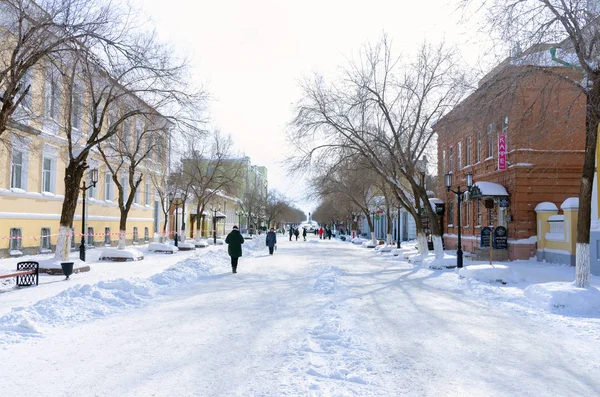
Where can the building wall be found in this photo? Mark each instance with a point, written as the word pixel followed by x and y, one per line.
pixel 545 135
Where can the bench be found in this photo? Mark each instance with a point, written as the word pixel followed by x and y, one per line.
pixel 27 274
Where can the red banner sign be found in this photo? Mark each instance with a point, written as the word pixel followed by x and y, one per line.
pixel 502 152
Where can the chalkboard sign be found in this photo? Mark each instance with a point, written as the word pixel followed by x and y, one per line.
pixel 486 236
pixel 500 238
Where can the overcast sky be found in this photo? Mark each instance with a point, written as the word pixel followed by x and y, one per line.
pixel 251 54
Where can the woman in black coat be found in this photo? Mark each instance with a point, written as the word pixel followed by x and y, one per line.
pixel 234 240
pixel 271 240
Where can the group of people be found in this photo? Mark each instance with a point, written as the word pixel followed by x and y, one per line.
pixel 234 241
pixel 296 232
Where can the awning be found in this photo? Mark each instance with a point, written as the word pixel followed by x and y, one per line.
pixel 488 189
pixel 219 215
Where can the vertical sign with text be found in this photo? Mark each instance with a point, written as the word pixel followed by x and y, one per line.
pixel 502 151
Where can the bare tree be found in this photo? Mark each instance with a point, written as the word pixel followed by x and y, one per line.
pixel 32 32
pixel 383 110
pixel 575 26
pixel 211 169
pixel 253 203
pixel 275 207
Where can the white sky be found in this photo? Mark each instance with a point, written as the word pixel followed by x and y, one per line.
pixel 251 55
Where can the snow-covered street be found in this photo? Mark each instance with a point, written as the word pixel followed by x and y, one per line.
pixel 319 318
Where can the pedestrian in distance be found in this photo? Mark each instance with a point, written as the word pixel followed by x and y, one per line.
pixel 271 240
pixel 291 232
pixel 234 240
pixel 320 233
pixel 304 233
pixel 296 233
pixel 329 232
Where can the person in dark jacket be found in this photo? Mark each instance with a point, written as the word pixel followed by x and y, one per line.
pixel 271 240
pixel 304 233
pixel 291 232
pixel 234 241
pixel 296 233
pixel 329 232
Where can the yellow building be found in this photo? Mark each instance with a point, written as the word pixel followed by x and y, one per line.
pixel 32 173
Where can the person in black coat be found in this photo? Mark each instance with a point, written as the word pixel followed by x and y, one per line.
pixel 271 240
pixel 291 232
pixel 234 241
pixel 296 233
pixel 304 233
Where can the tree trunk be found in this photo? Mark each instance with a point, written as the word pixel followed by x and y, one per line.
pixel 122 239
pixel 73 175
pixel 582 259
pixel 389 230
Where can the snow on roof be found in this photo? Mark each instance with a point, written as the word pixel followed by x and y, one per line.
pixel 572 203
pixel 545 206
pixel 491 189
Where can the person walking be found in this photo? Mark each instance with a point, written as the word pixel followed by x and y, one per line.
pixel 329 232
pixel 234 240
pixel 291 232
pixel 271 240
pixel 304 233
pixel 320 233
pixel 296 233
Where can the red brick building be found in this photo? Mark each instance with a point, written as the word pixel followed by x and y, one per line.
pixel 541 117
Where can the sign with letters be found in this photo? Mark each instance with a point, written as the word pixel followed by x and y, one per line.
pixel 500 238
pixel 486 236
pixel 502 151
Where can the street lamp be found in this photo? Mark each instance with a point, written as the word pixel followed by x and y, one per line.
pixel 239 214
pixel 84 189
pixel 176 201
pixel 214 211
pixel 459 196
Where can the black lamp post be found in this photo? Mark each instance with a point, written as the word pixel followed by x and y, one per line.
pixel 214 211
pixel 459 196
pixel 398 229
pixel 84 189
pixel 176 201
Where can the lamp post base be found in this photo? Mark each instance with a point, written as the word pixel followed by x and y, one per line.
pixel 459 258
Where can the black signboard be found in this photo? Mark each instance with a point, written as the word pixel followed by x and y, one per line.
pixel 486 234
pixel 500 238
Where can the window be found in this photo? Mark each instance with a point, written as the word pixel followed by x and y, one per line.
pixel 15 239
pixel 444 162
pixel 135 234
pixel 108 189
pixel 147 194
pixel 136 196
pixel 45 238
pixel 76 105
pixel 91 193
pixel 26 84
pixel 468 152
pixel 459 155
pixel 107 236
pixel 52 99
pixel 126 134
pixel 490 139
pixel 450 168
pixel 90 236
pixel 48 176
pixel 479 215
pixel 451 213
pixel 146 234
pixel 124 187
pixel 478 146
pixel 16 171
pixel 158 150
pixel 149 144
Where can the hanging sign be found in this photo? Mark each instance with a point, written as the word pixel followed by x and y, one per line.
pixel 502 151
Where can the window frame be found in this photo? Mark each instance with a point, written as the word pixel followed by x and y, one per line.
pixel 45 240
pixel 16 239
pixel 468 151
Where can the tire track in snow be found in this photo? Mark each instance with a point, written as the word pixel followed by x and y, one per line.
pixel 331 359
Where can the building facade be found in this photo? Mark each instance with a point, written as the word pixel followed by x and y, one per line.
pixel 521 136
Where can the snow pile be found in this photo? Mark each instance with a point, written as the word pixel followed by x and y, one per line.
pixel 160 247
pixel 328 280
pixel 83 303
pixel 560 295
pixel 128 254
pixel 358 240
pixel 489 274
pixel 431 262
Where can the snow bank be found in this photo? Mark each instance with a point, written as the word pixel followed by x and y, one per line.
pixel 128 254
pixel 561 295
pixel 489 274
pixel 83 303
